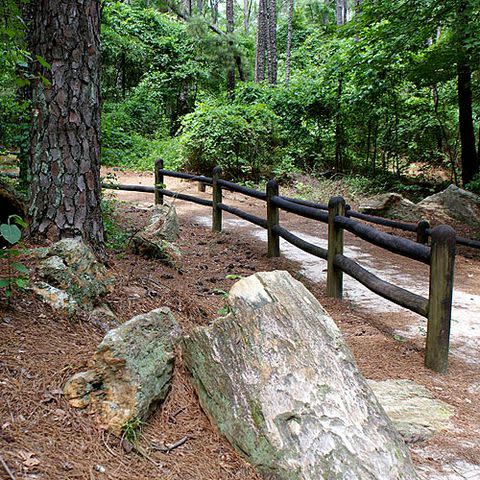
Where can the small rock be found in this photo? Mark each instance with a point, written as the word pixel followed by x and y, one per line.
pixel 131 370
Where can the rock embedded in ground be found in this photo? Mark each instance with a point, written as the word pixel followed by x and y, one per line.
pixel 131 370
pixel 391 205
pixel 279 381
pixel 414 411
pixel 455 203
pixel 70 269
pixel 156 240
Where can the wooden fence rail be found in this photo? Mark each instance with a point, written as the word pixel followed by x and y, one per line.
pixel 440 256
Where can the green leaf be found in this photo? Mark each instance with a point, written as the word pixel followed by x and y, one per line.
pixel 17 220
pixel 11 233
pixel 21 282
pixel 4 283
pixel 233 277
pixel 43 62
pixel 20 267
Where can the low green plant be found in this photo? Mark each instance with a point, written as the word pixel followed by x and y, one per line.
pixel 116 237
pixel 18 274
pixel 474 185
pixel 131 430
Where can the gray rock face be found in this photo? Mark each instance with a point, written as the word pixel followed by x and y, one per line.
pixel 131 370
pixel 71 277
pixel 455 203
pixel 278 380
pixel 414 411
pixel 156 240
pixel 391 205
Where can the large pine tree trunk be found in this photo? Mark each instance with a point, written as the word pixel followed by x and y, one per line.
pixel 261 45
pixel 65 138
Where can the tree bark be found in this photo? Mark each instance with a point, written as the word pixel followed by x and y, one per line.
pixel 272 40
pixel 288 56
pixel 261 46
pixel 65 136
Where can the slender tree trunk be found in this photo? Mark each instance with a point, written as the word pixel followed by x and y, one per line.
pixel 326 16
pixel 339 128
pixel 272 40
pixel 246 15
pixel 339 12
pixel 470 166
pixel 65 148
pixel 261 46
pixel 230 29
pixel 291 6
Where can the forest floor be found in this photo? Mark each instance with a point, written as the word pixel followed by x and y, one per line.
pixel 41 437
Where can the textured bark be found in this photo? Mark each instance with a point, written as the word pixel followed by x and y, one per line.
pixel 261 46
pixel 341 12
pixel 65 138
pixel 272 40
pixel 289 40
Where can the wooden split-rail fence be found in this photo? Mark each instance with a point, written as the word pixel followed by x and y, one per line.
pixel 439 255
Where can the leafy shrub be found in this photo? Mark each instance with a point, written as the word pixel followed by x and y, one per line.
pixel 245 140
pixel 474 185
pixel 17 276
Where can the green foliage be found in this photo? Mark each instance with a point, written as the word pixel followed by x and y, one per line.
pixel 244 140
pixel 131 430
pixel 18 274
pixel 116 237
pixel 474 185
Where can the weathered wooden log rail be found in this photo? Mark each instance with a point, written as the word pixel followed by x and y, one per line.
pixel 339 217
pixel 440 255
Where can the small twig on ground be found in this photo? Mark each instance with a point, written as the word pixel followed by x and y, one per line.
pixel 168 448
pixel 7 469
pixel 172 418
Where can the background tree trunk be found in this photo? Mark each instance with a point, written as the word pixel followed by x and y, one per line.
pixel 261 46
pixel 470 166
pixel 272 40
pixel 289 41
pixel 65 149
pixel 230 29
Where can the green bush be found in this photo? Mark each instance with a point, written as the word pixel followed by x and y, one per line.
pixel 245 140
pixel 474 185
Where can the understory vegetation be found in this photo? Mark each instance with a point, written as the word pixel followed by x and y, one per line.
pixel 371 98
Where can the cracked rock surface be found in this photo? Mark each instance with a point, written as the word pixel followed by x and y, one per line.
pixel 279 381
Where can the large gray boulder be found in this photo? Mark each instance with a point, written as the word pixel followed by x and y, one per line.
pixel 131 370
pixel 453 202
pixel 278 380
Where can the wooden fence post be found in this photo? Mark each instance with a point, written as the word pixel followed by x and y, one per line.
pixel 158 182
pixel 422 235
pixel 442 265
pixel 336 206
pixel 272 220
pixel 217 198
